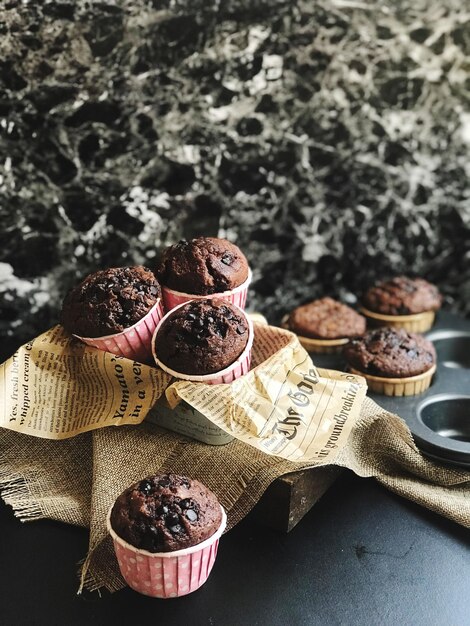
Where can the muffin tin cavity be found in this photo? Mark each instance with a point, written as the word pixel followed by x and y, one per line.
pixel 439 418
pixel 452 347
pixel 447 416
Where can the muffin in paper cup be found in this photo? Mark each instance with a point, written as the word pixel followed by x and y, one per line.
pixel 227 375
pixel 398 362
pixel 414 322
pixel 134 342
pixel 166 574
pixel 402 302
pixel 319 346
pixel 237 296
pixel 407 386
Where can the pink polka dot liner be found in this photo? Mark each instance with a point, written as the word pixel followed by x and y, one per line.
pixel 166 574
pixel 172 298
pixel 134 342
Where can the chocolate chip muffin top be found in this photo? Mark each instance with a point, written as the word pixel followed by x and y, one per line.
pixel 165 513
pixel 109 301
pixel 203 266
pixel 202 337
pixel 402 296
pixel 390 352
pixel 326 319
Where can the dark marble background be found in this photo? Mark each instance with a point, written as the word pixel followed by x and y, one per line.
pixel 328 139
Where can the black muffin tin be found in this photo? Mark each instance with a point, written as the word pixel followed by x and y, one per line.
pixel 439 418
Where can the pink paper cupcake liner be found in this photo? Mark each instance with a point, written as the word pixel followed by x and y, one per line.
pixel 134 342
pixel 166 574
pixel 237 296
pixel 238 368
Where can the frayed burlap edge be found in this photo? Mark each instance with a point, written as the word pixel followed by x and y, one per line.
pixel 15 492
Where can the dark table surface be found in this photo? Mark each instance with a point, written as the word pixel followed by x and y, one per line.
pixel 361 556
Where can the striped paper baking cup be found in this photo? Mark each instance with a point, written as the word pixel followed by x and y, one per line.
pixel 134 342
pixel 413 323
pixel 237 296
pixel 166 574
pixel 319 346
pixel 399 387
pixel 238 368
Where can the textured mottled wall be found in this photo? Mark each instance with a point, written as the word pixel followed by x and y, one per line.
pixel 328 139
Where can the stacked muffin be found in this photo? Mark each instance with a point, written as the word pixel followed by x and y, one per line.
pixel 206 340
pixel 116 310
pixel 200 284
pixel 203 267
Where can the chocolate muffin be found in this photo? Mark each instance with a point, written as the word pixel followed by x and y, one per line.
pixel 326 319
pixel 109 301
pixel 202 337
pixel 203 266
pixel 402 296
pixel 165 513
pixel 391 353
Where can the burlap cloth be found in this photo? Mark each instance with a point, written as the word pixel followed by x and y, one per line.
pixel 76 480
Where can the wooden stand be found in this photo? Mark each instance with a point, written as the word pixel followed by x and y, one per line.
pixel 290 497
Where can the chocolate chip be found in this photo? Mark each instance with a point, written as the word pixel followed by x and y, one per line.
pixel 227 259
pixel 127 305
pixel 221 329
pixel 172 519
pixel 176 529
pixel 152 539
pixel 145 487
pixel 164 482
pixel 186 503
pixel 241 330
pixel 191 515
